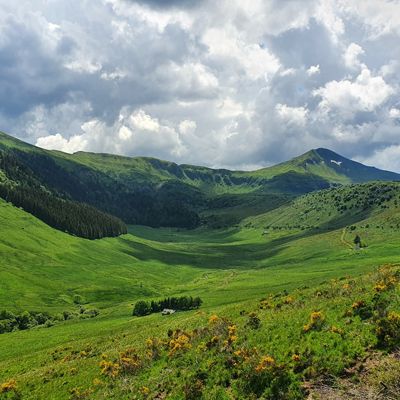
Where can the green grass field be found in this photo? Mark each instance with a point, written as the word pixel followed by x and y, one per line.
pixel 230 269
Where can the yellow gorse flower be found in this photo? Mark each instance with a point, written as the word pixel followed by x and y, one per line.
pixel 213 319
pixel 265 362
pixel 110 368
pixel 358 304
pixel 144 390
pixel 380 287
pixel 296 357
pixel 337 330
pixel 182 342
pixel 316 316
pixel 8 386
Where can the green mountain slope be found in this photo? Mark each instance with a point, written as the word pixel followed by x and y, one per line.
pixel 148 191
pixel 237 272
pixel 330 166
pixel 370 204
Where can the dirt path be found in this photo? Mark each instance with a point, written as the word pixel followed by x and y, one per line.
pixel 343 239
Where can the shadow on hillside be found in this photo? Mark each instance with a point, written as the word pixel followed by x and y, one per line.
pixel 204 253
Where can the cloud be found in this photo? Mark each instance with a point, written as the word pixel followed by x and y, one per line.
pixel 380 17
pixel 387 158
pixel 169 3
pixel 394 113
pixel 292 115
pixel 314 69
pixel 351 56
pixel 365 93
pixel 57 142
pixel 253 60
pixel 187 127
pixel 142 121
pixel 227 83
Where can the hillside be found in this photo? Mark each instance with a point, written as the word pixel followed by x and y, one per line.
pixel 280 309
pixel 331 167
pixel 374 203
pixel 153 192
pixel 265 287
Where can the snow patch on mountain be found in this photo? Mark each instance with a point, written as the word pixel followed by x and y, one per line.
pixel 337 162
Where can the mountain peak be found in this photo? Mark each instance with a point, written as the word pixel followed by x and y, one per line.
pixel 337 168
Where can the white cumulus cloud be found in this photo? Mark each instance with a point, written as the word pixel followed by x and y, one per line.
pixel 365 93
pixel 352 54
pixel 314 69
pixel 292 115
pixel 58 142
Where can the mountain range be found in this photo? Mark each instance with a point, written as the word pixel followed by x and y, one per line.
pixel 116 190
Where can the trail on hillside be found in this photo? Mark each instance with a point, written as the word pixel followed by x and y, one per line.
pixel 343 240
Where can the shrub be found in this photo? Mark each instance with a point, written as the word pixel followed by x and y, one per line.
pixel 363 310
pixel 183 303
pixel 141 308
pixel 9 386
pixel 78 299
pixel 253 322
pixel 317 321
pixel 388 331
pixel 267 379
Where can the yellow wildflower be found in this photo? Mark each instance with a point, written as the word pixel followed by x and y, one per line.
pixel 380 287
pixel 144 390
pixel 316 316
pixel 358 304
pixel 265 362
pixel 337 330
pixel 8 386
pixel 288 300
pixel 213 319
pixel 296 357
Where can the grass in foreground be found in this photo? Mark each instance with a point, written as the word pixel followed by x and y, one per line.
pixel 272 348
pixel 231 270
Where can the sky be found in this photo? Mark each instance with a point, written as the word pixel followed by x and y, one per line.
pixel 229 83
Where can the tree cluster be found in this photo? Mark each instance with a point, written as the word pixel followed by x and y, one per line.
pixel 131 199
pixel 10 321
pixel 72 217
pixel 184 303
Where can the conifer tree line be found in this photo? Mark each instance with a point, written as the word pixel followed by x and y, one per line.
pixel 19 187
pixel 135 202
pixel 183 303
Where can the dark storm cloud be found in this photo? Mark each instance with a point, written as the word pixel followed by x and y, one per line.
pixel 308 46
pixel 28 74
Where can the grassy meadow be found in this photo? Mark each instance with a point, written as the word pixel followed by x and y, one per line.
pixel 231 269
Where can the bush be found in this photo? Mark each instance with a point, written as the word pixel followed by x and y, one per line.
pixel 268 380
pixel 253 322
pixel 141 308
pixel 183 303
pixel 29 319
pixel 388 331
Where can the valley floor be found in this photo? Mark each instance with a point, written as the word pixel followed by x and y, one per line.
pixel 231 270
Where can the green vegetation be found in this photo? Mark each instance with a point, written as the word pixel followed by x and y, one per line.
pixel 323 333
pixel 288 297
pixel 10 322
pixel 19 186
pixel 158 193
pixel 337 208
pixel 266 285
pixel 183 303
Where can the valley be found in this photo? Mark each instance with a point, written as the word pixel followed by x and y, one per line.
pixel 273 261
